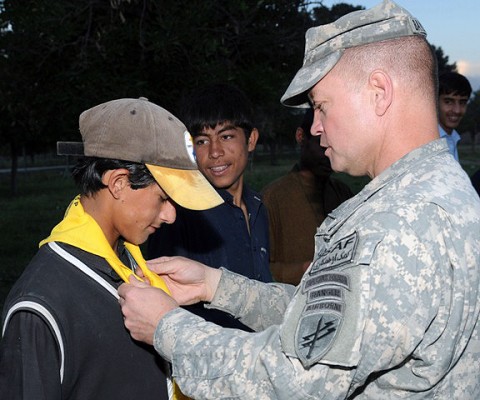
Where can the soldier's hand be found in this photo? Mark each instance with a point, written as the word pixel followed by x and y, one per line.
pixel 143 306
pixel 189 281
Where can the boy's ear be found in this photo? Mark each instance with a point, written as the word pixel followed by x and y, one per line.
pixel 252 140
pixel 116 180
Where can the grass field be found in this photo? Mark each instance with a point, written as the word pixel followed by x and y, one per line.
pixel 43 196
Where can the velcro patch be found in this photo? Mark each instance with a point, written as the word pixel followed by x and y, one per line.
pixel 339 253
pixel 324 293
pixel 332 278
pixel 316 333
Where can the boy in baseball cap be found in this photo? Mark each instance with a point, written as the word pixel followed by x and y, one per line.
pixel 63 334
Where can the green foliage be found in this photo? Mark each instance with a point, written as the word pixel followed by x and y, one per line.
pixel 61 57
pixel 28 218
pixel 471 121
pixel 324 15
pixel 443 61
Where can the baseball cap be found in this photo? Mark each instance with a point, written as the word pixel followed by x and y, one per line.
pixel 137 130
pixel 325 44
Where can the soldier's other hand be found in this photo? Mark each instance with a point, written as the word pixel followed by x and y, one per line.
pixel 143 306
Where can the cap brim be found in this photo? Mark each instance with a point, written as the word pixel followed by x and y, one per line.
pixel 188 188
pixel 306 78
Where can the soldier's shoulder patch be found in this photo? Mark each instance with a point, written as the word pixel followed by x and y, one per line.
pixel 317 330
pixel 322 315
pixel 335 255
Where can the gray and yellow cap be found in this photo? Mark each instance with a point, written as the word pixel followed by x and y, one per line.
pixel 325 44
pixel 139 131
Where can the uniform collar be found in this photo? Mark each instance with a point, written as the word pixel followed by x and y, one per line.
pixel 410 161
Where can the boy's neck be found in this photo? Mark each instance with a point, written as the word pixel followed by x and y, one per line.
pixel 95 206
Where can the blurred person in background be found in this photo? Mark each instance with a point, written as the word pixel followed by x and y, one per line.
pixel 297 204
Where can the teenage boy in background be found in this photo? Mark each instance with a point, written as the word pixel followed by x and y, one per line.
pixel 454 92
pixel 233 235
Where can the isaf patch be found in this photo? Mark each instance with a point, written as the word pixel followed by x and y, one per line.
pixel 336 255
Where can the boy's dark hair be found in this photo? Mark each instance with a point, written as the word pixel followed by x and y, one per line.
pixel 88 172
pixel 217 103
pixel 454 83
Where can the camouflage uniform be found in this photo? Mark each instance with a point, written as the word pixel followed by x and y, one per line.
pixel 388 308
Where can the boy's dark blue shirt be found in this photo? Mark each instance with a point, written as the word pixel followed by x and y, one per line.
pixel 219 237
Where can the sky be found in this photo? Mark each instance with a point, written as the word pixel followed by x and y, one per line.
pixel 453 25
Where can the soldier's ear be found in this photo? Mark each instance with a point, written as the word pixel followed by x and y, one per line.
pixel 382 91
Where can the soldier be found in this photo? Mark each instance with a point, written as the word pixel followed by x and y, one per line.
pixel 389 307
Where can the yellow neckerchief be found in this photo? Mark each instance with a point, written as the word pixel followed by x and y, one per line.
pixel 79 229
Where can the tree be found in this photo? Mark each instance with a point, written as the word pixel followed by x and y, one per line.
pixel 60 57
pixel 53 67
pixel 443 61
pixel 471 121
pixel 65 56
pixel 324 15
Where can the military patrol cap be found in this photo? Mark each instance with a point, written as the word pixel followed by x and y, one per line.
pixel 325 44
